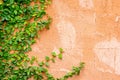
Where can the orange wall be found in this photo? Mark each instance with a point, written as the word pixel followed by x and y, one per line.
pixel 89 31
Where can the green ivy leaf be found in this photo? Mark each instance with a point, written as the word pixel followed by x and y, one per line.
pixel 41 63
pixel 32 60
pixel 46 64
pixel 60 56
pixel 53 60
pixel 54 54
pixel 61 50
pixel 47 58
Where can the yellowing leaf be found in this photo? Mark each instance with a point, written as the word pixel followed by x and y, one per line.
pixel 1 1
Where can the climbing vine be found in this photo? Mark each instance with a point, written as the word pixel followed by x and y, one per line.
pixel 20 22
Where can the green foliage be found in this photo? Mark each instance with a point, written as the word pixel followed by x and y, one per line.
pixel 54 54
pixel 32 60
pixel 60 56
pixel 53 60
pixel 17 34
pixel 47 64
pixel 41 63
pixel 47 58
pixel 61 50
pixel 74 71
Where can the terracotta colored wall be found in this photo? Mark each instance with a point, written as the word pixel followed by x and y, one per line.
pixel 89 31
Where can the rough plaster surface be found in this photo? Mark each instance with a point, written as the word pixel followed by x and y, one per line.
pixel 89 31
pixel 109 53
pixel 86 4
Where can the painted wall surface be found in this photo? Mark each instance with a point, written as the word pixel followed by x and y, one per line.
pixel 89 31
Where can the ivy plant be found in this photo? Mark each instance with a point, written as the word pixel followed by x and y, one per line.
pixel 20 23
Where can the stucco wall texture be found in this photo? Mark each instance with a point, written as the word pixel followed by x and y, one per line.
pixel 88 31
